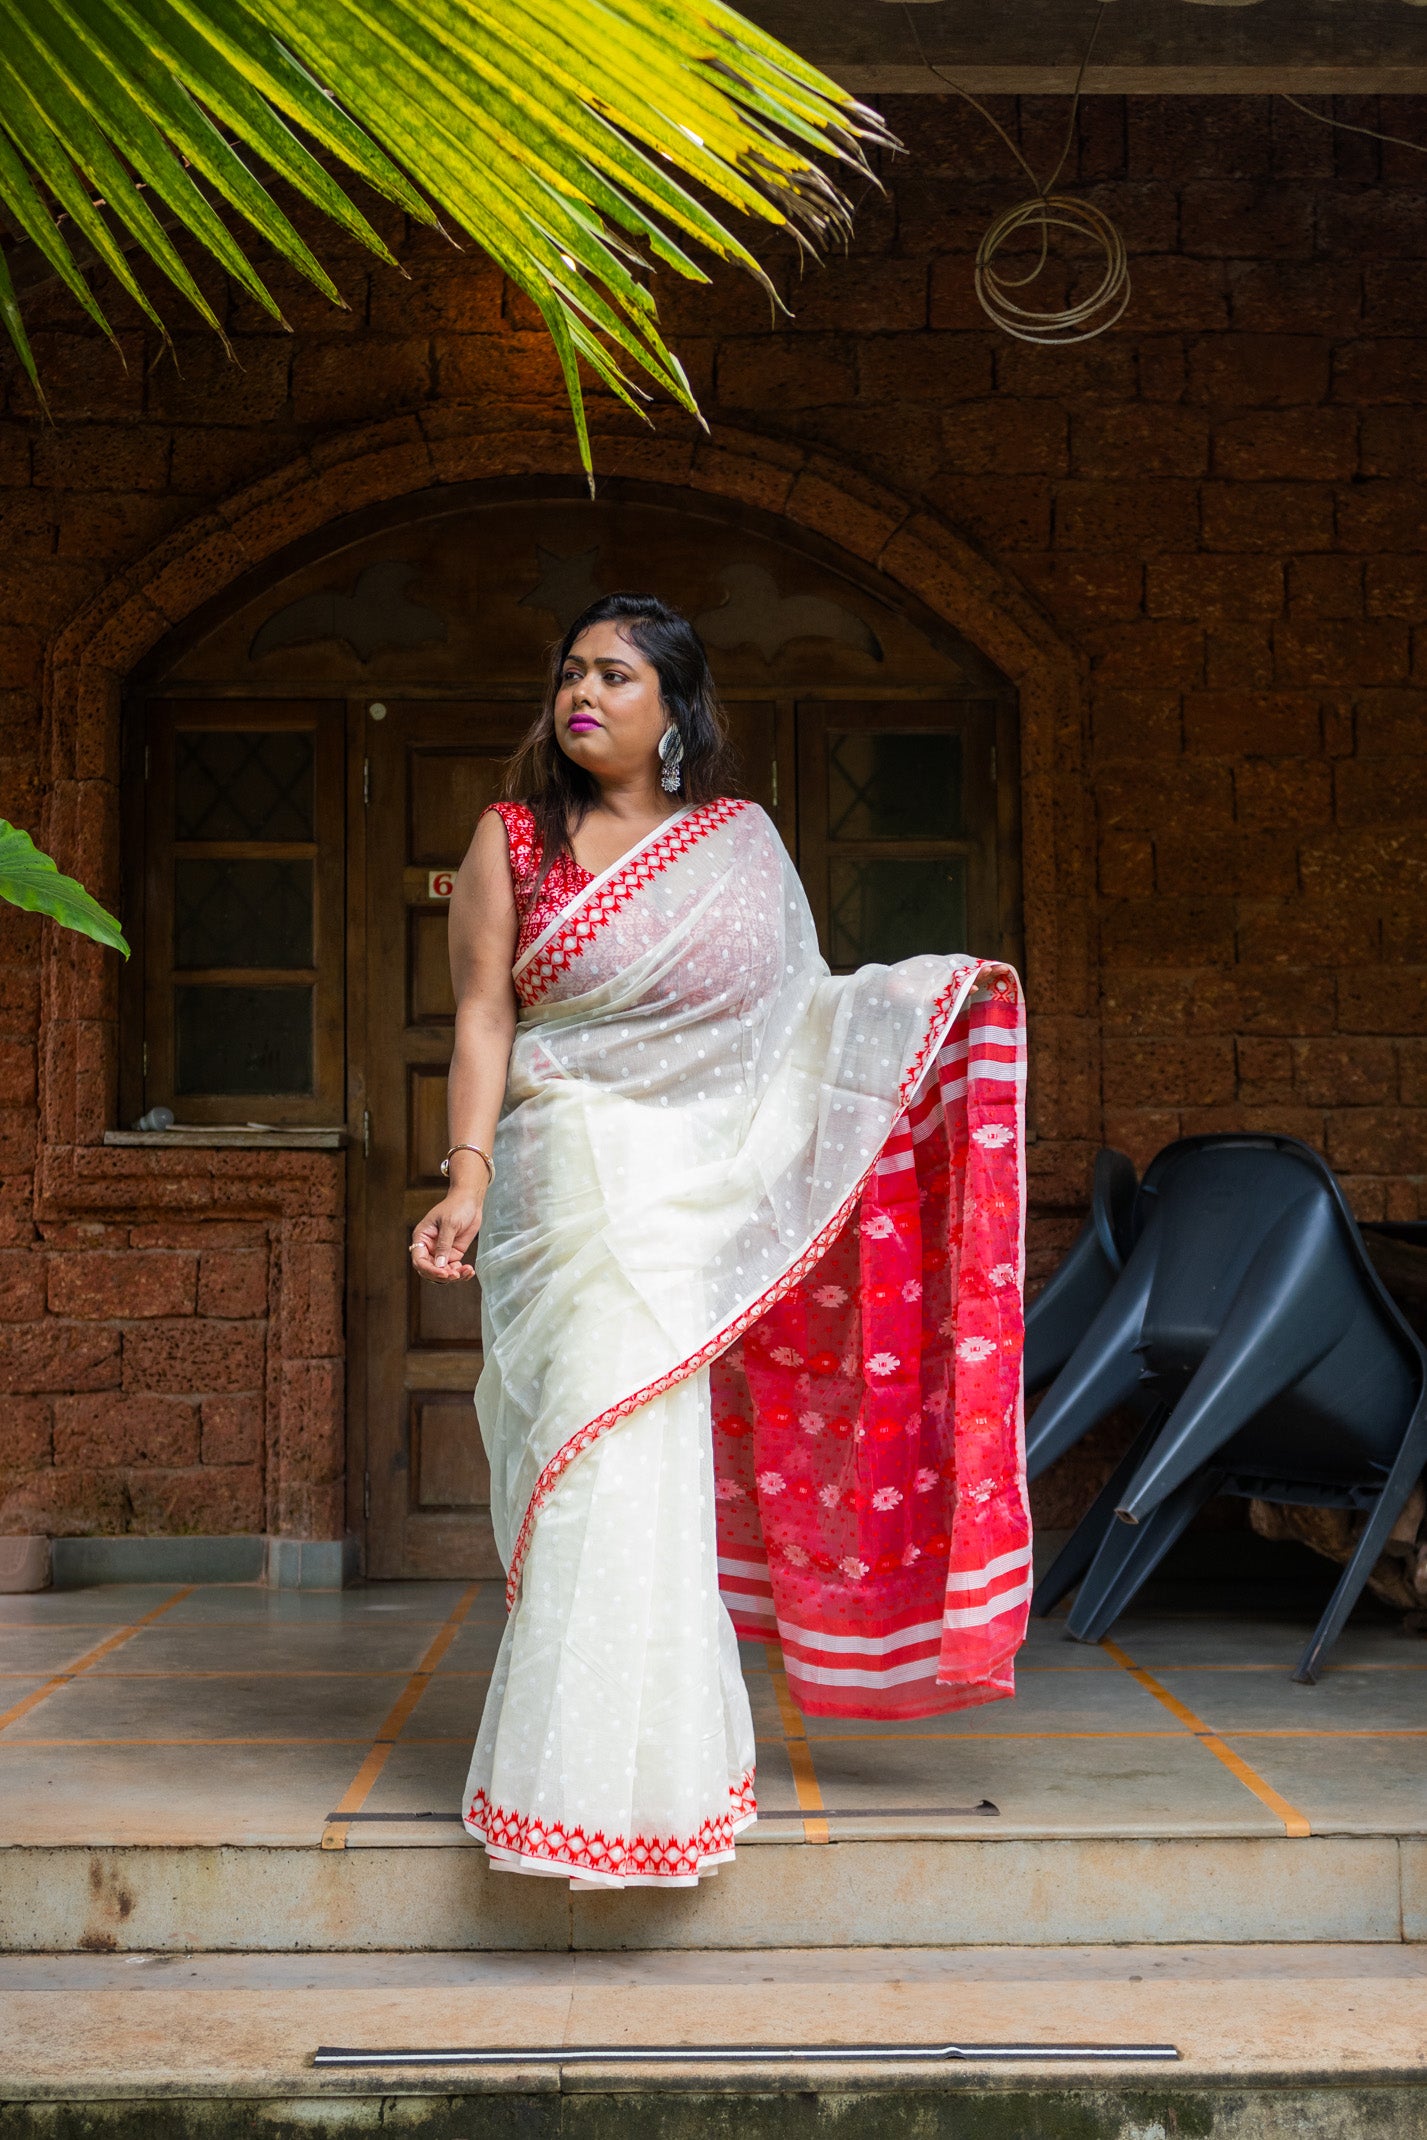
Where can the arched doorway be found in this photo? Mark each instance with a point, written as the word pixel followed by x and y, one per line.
pixel 309 755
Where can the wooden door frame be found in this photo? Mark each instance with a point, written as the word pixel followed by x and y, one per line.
pixel 368 1492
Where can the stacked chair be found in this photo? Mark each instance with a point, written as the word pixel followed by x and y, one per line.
pixel 1229 1299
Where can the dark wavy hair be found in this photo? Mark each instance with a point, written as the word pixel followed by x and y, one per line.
pixel 558 792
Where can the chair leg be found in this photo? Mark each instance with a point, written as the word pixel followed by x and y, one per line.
pixel 1408 1468
pixel 1080 1548
pixel 1105 1369
pixel 1129 1555
pixel 1067 1304
pixel 1291 1307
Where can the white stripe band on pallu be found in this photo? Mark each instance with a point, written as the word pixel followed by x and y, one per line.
pixel 896 1659
pixel 902 1638
pixel 899 1675
pixel 979 1615
pixel 746 1590
pixel 1016 1564
pixel 828 1660
pixel 981 1578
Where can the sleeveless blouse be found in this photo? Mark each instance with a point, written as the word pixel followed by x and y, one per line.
pixel 563 880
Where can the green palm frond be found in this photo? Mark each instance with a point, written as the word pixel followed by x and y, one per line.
pixel 565 137
pixel 31 880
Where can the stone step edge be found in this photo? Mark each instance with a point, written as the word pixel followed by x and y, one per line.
pixel 1169 1891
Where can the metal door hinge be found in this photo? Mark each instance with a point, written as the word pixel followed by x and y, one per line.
pixel 146 1058
pixel 366 780
pixel 993 765
pixel 775 782
pixel 366 1497
pixel 366 1133
pixel 146 761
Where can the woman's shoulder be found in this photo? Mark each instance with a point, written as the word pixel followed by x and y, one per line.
pixel 515 816
pixel 522 835
pixel 750 815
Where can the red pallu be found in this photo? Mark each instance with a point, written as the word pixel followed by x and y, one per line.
pixel 868 1429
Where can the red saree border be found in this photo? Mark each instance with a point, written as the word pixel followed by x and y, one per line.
pixel 647 1859
pixel 943 1015
pixel 596 905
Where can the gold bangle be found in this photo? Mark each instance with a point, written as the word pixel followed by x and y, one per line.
pixel 446 1162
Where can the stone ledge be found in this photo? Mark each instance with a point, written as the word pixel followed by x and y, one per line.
pixel 1111 1890
pixel 247 1557
pixel 242 1140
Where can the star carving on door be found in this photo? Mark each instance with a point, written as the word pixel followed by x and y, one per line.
pixel 374 614
pixel 754 612
pixel 566 586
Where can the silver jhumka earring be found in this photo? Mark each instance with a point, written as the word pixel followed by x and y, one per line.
pixel 671 760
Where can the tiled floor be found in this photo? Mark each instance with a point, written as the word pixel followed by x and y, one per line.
pixel 244 1715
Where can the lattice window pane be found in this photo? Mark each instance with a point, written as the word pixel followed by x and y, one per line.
pixel 242 913
pixel 242 784
pixel 236 1040
pixel 885 784
pixel 888 910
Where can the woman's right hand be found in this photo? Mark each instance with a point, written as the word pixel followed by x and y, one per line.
pixel 440 1242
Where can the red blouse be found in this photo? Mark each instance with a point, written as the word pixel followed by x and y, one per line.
pixel 564 879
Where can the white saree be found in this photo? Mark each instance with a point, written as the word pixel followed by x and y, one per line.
pixel 694 1108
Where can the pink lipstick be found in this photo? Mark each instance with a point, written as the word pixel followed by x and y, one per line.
pixel 581 725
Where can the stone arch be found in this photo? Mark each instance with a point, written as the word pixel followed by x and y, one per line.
pixel 93 655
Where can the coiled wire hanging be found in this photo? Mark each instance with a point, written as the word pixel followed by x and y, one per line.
pixel 1068 323
pixel 1046 211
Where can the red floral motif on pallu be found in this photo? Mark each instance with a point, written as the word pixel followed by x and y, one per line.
pixel 642 1857
pixel 554 959
pixel 995 1029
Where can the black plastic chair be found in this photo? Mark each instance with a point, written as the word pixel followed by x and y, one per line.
pixel 1057 1318
pixel 1249 1317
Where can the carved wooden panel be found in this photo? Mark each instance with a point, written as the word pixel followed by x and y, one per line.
pixel 449 789
pixel 449 1468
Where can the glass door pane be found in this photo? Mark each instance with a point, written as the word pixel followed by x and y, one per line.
pixel 894 784
pixel 883 910
pixel 898 827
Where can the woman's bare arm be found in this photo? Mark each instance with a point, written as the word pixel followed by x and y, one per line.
pixel 483 926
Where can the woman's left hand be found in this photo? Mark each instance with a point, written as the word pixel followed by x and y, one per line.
pixel 439 1243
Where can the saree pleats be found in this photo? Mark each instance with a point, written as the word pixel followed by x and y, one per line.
pixel 616 1747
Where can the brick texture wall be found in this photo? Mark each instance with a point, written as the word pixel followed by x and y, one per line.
pixel 1219 507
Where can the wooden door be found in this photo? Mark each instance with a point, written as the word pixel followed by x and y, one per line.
pixel 894 813
pixel 431 769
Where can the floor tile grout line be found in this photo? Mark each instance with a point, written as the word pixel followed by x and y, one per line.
pixel 800 1754
pixel 334 1834
pixel 91 1657
pixel 1294 1823
pixel 822 1738
pixel 359 1739
pixel 402 1671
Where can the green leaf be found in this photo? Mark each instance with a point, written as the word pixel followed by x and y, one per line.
pixel 15 327
pixel 30 880
pixel 27 128
pixel 81 141
pixel 579 143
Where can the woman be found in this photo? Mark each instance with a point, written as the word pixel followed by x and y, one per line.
pixel 712 1181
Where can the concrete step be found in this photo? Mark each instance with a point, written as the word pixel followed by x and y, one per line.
pixel 1274 2041
pixel 913 1892
pixel 230 1769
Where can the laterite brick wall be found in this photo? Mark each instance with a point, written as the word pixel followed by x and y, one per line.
pixel 1219 508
